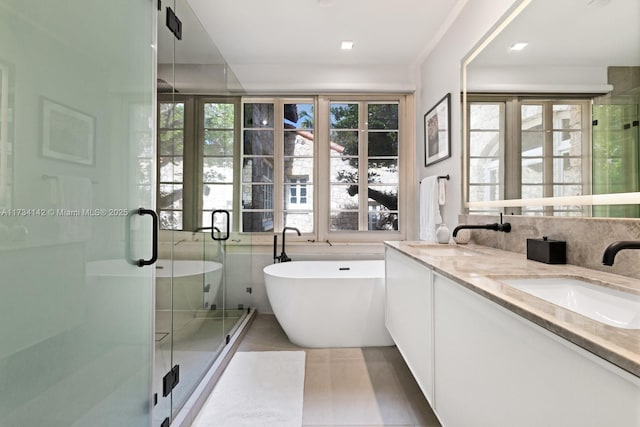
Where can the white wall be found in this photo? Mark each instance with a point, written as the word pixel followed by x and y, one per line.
pixel 440 74
pixel 314 78
pixel 538 78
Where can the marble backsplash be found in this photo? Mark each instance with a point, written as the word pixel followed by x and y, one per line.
pixel 586 238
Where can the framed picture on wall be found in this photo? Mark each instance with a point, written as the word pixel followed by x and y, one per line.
pixel 437 132
pixel 67 134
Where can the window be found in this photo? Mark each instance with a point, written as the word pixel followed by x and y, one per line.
pixel 278 164
pixel 171 144
pixel 218 159
pixel 260 159
pixel 364 177
pixel 543 156
pixel 486 143
pixel 297 192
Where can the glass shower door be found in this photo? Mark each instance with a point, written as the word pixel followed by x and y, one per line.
pixel 76 162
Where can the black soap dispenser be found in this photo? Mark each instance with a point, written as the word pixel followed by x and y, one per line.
pixel 547 250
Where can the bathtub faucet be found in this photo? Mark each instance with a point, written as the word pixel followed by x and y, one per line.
pixel 283 255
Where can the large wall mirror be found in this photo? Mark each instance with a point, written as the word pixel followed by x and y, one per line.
pixel 551 111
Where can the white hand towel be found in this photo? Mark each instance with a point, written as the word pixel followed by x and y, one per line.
pixel 442 199
pixel 429 208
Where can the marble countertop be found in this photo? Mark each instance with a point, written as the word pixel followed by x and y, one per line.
pixel 479 268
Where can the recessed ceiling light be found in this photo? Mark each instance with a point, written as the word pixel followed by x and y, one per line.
pixel 346 45
pixel 518 46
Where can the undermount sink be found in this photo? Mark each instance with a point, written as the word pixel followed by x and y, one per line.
pixel 601 303
pixel 437 249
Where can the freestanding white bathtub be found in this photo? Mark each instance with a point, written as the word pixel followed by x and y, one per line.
pixel 329 303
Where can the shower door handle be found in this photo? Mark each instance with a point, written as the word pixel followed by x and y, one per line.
pixel 154 242
pixel 213 229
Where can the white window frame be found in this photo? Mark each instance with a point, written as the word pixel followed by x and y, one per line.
pixel 319 182
pixel 406 186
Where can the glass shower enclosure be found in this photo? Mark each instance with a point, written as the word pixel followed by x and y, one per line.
pixel 77 160
pixel 202 283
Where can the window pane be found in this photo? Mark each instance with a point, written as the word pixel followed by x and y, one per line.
pixel 171 169
pixel 220 222
pixel 484 171
pixel 218 143
pixel 485 116
pixel 257 169
pixel 532 143
pixel 567 116
pixel 383 144
pixel 344 143
pixel 255 222
pixel 479 193
pixel 298 167
pixel 383 197
pixel 567 190
pixel 382 221
pixel 344 197
pixel 258 142
pixel 343 221
pixel 170 196
pixel 532 169
pixel 298 116
pixel 171 142
pixel 383 116
pixel 171 115
pixel 567 143
pixel 484 144
pixel 257 196
pixel 344 116
pixel 218 116
pixel 258 115
pixel 217 196
pixel 567 169
pixel 217 169
pixel 344 170
pixel 171 220
pixel 532 191
pixel 531 117
pixel 303 221
pixel 383 171
pixel 298 145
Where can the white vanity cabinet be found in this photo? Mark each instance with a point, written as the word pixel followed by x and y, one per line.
pixel 495 368
pixel 409 315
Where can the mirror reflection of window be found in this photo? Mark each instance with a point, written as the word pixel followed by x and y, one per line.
pixel 528 148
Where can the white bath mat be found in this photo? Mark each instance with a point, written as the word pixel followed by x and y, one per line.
pixel 258 388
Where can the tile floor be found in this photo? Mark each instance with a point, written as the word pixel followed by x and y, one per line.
pixel 349 386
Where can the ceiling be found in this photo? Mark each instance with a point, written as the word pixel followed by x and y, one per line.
pixel 570 32
pixel 307 32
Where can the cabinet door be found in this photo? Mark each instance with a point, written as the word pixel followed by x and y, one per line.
pixel 495 368
pixel 409 314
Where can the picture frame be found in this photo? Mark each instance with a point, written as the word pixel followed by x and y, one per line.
pixel 67 134
pixel 437 132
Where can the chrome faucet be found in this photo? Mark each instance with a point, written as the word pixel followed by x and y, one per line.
pixel 610 253
pixel 283 256
pixel 504 227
